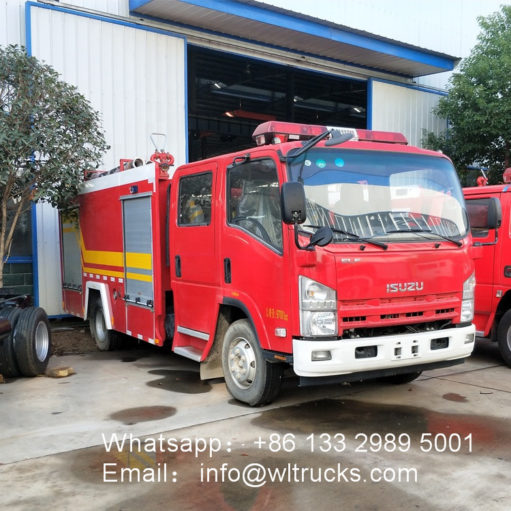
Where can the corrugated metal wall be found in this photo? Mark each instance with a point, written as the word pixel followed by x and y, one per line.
pixel 136 78
pixel 12 22
pixel 403 109
pixel 117 7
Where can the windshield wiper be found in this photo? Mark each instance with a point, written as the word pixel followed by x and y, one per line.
pixel 294 153
pixel 426 231
pixel 353 236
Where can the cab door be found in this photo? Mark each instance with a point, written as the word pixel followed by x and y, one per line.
pixel 253 251
pixel 485 253
pixel 194 260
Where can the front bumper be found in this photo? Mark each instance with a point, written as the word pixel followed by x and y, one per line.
pixel 390 351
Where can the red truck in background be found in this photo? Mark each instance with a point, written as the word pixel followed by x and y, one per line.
pixel 489 210
pixel 343 254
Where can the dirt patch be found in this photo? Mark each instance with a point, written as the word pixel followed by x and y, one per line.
pixel 71 338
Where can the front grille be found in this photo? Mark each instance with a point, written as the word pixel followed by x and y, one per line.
pixel 395 311
pixel 445 311
pixel 354 319
pixel 389 316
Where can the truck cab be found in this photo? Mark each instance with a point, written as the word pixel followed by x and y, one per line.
pixel 342 255
pixel 489 210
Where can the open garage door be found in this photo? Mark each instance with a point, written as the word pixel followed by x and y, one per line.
pixel 229 95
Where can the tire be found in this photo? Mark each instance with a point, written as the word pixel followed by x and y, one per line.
pixel 106 340
pixel 8 365
pixel 32 341
pixel 399 379
pixel 504 337
pixel 248 376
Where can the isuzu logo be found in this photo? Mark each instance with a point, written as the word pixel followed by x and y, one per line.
pixel 403 287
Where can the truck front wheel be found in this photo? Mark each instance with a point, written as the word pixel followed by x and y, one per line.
pixel 248 376
pixel 106 340
pixel 504 337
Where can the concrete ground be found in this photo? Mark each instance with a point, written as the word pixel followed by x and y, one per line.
pixel 137 429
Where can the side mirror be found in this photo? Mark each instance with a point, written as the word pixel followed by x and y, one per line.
pixel 321 237
pixel 292 203
pixel 494 213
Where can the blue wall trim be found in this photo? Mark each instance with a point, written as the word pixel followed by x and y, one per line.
pixel 28 28
pixel 187 149
pixel 314 28
pixel 135 4
pixel 19 259
pixel 35 259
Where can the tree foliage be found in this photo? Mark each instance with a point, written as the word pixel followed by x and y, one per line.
pixel 49 135
pixel 478 104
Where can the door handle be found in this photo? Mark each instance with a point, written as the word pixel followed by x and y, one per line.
pixel 177 260
pixel 227 270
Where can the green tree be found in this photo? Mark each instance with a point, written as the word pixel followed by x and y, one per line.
pixel 478 104
pixel 49 136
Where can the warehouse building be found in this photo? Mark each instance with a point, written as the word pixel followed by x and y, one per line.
pixel 205 73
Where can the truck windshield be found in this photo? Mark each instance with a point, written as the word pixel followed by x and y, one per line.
pixel 384 195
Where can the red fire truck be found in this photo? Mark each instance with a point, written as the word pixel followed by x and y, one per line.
pixel 489 209
pixel 343 254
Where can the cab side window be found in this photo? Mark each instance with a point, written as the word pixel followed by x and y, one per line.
pixel 253 201
pixel 195 199
pixel 477 210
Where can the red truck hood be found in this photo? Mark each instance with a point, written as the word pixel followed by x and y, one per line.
pixel 376 287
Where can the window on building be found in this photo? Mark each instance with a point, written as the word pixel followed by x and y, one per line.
pixel 22 240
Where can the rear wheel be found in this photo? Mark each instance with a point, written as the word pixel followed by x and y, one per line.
pixel 8 365
pixel 248 376
pixel 504 337
pixel 32 341
pixel 106 340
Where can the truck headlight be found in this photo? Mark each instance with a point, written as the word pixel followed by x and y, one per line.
pixel 467 303
pixel 318 309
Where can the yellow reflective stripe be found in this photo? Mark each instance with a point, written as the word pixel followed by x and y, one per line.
pixel 140 261
pixel 133 260
pixel 103 257
pixel 102 272
pixel 139 276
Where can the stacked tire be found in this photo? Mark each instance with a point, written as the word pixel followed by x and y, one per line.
pixel 26 349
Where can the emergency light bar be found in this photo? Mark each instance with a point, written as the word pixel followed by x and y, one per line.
pixel 278 132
